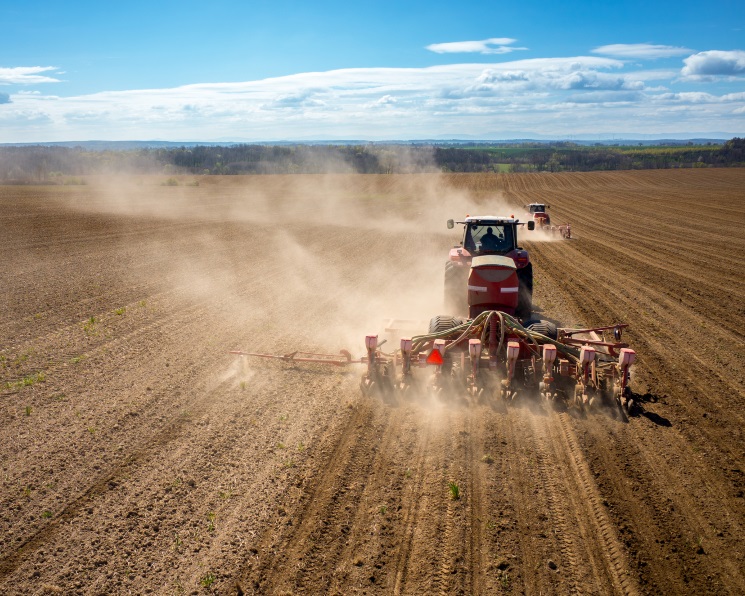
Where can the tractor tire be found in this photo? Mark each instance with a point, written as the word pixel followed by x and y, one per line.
pixel 456 288
pixel 543 327
pixel 525 292
pixel 442 323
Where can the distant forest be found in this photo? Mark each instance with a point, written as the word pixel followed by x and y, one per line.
pixel 64 165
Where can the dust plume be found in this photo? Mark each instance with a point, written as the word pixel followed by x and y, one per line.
pixel 301 261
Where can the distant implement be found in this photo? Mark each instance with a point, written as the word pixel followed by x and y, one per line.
pixel 542 220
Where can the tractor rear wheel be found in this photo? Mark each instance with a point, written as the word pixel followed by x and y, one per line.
pixel 543 327
pixel 442 323
pixel 456 288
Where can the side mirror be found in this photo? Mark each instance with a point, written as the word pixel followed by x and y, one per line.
pixel 451 224
pixel 531 225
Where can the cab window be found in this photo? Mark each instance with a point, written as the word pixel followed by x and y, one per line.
pixel 488 238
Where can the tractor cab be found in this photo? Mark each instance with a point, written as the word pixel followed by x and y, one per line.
pixel 489 234
pixel 490 237
pixel 488 270
pixel 539 213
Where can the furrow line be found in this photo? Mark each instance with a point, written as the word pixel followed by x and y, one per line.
pixel 417 504
pixel 449 539
pixel 613 551
pixel 341 515
pixel 144 451
pixel 475 517
pixel 547 471
pixel 284 551
pixel 442 579
pixel 153 408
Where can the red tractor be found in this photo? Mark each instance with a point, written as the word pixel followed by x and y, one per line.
pixel 542 220
pixel 540 216
pixel 488 270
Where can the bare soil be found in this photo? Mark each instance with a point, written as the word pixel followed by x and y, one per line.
pixel 138 456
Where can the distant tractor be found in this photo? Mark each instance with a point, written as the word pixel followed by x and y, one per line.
pixel 488 270
pixel 543 220
pixel 540 216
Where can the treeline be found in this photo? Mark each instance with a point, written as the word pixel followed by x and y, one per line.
pixel 569 157
pixel 299 159
pixel 44 164
pixel 41 164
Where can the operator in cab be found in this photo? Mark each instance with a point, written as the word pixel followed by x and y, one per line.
pixel 490 241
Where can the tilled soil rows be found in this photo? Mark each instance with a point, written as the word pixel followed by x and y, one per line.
pixel 138 456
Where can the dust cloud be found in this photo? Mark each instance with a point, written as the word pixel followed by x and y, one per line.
pixel 539 235
pixel 310 262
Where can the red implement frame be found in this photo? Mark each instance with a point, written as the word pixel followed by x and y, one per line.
pixel 570 332
pixel 565 336
pixel 344 359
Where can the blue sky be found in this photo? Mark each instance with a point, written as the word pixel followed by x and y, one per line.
pixel 278 70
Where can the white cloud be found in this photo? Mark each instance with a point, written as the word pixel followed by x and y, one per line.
pixel 592 80
pixel 387 100
pixel 641 51
pixel 21 119
pixel 701 97
pixel 691 97
pixel 506 76
pixel 544 75
pixel 494 45
pixel 568 95
pixel 555 64
pixel 26 75
pixel 715 63
pixel 604 97
pixel 302 99
pixel 652 75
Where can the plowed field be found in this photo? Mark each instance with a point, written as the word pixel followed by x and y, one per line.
pixel 138 456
